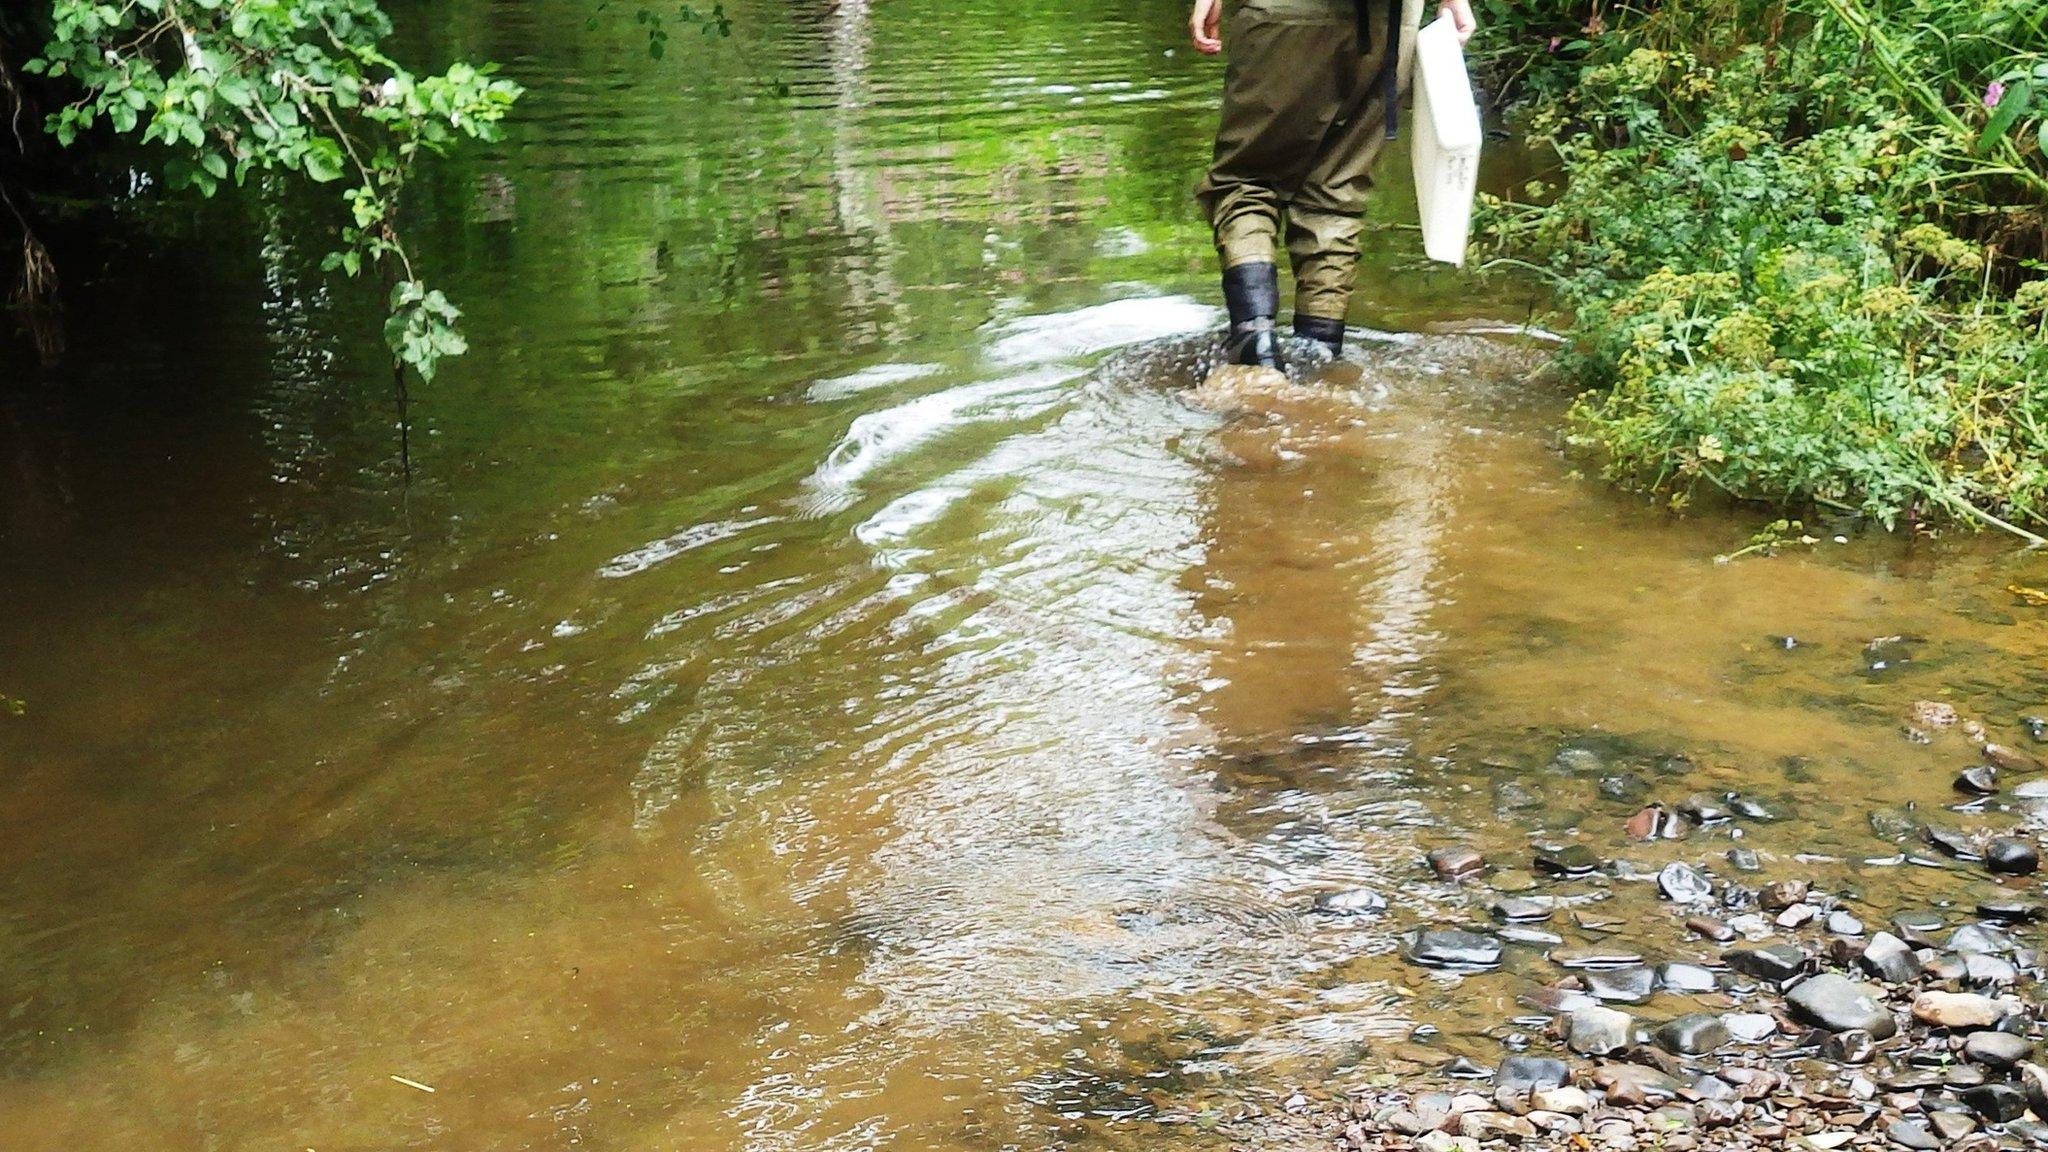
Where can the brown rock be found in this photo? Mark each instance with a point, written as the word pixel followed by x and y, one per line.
pixel 1457 862
pixel 2010 759
pixel 1957 1010
pixel 1931 714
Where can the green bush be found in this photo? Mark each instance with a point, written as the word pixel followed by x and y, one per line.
pixel 1799 244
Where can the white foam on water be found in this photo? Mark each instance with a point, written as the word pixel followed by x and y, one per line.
pixel 868 379
pixel 877 438
pixel 1086 331
pixel 669 547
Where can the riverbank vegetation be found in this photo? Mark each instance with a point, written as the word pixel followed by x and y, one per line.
pixel 1802 243
pixel 209 94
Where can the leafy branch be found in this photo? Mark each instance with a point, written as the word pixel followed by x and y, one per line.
pixel 231 88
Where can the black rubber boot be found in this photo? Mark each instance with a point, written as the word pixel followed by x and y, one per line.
pixel 1328 333
pixel 1252 294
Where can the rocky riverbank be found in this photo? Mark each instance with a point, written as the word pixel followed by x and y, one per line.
pixel 1784 1010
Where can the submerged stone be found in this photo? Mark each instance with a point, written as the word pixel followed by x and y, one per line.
pixel 1977 780
pixel 1456 862
pixel 1452 948
pixel 1779 962
pixel 1686 978
pixel 1355 902
pixel 1567 860
pixel 2012 759
pixel 1621 985
pixel 1684 884
pixel 2012 856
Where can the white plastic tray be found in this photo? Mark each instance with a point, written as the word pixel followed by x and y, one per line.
pixel 1446 137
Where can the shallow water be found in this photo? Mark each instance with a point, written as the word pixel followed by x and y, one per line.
pixel 833 681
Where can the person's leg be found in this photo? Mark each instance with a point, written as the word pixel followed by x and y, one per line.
pixel 1289 76
pixel 1325 218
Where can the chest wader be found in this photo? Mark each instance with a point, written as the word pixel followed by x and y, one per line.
pixel 1308 102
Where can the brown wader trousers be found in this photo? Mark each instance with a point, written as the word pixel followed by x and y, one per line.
pixel 1304 117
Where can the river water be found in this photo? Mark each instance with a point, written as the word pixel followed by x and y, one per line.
pixel 828 682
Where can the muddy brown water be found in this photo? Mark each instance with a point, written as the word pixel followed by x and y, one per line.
pixel 829 684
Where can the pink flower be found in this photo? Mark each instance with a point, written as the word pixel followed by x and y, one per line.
pixel 1994 94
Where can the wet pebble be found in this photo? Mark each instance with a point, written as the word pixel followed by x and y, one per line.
pixel 1912 1134
pixel 1694 1034
pixel 1918 927
pixel 1995 1049
pixel 1683 884
pixel 2011 856
pixel 1355 902
pixel 1843 923
pixel 1531 1073
pixel 1522 910
pixel 2011 759
pixel 1854 1046
pixel 1456 862
pixel 1978 780
pixel 1686 979
pixel 1779 962
pixel 1710 928
pixel 1588 958
pixel 1980 938
pixel 1958 1010
pixel 1620 985
pixel 1997 1103
pixel 1750 1027
pixel 1839 1004
pixel 1567 860
pixel 1745 860
pixel 1951 842
pixel 1625 786
pixel 1453 948
pixel 1751 808
pixel 1703 808
pixel 1598 1031
pixel 2010 911
pixel 1782 894
pixel 1890 959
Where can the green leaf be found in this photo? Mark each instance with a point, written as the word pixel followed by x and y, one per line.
pixel 2014 104
pixel 323 159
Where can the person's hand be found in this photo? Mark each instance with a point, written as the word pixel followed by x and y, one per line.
pixel 1460 12
pixel 1204 21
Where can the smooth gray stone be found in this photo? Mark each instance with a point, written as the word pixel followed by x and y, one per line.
pixel 1981 938
pixel 1912 1134
pixel 1779 962
pixel 1453 948
pixel 1599 1031
pixel 1995 1049
pixel 1684 884
pixel 1688 978
pixel 1532 1073
pixel 2012 856
pixel 1356 902
pixel 1839 1004
pixel 1750 1027
pixel 1889 959
pixel 1694 1034
pixel 1621 985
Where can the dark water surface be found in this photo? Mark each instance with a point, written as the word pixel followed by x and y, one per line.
pixel 829 683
